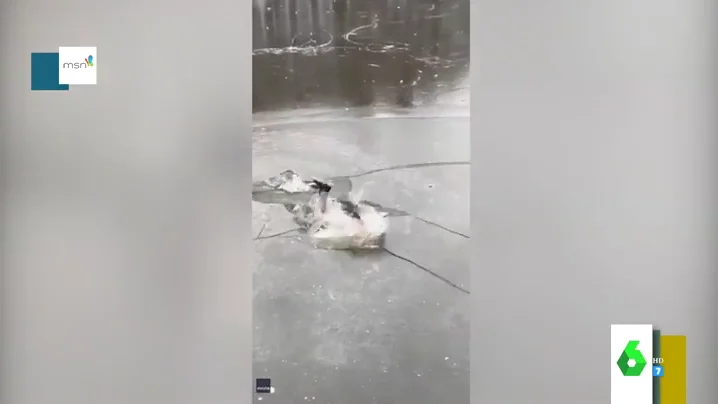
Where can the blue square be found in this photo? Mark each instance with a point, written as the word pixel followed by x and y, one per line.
pixel 658 371
pixel 45 72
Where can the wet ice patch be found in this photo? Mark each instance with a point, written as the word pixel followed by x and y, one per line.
pixel 285 188
pixel 336 230
pixel 329 221
pixel 289 188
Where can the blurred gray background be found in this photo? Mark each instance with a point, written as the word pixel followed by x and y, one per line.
pixel 593 192
pixel 125 207
pixel 593 167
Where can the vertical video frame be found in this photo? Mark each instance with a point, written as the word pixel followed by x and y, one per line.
pixel 360 201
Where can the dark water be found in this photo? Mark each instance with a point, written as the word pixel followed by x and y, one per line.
pixel 357 53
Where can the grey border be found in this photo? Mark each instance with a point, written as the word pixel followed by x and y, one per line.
pixel 126 226
pixel 593 191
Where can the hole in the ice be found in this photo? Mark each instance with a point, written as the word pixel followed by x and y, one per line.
pixel 290 190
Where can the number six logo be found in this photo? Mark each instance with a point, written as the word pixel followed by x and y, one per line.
pixel 631 361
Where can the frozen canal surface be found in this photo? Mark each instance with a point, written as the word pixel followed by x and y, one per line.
pixel 332 327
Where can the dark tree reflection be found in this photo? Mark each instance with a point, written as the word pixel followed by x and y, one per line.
pixel 355 53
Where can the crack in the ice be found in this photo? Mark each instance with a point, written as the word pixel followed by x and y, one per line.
pixel 407 166
pixel 393 254
pixel 427 270
pixel 275 235
pixel 429 222
pixel 260 231
pixel 397 212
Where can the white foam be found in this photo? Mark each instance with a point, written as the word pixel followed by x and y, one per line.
pixel 337 230
pixel 295 184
